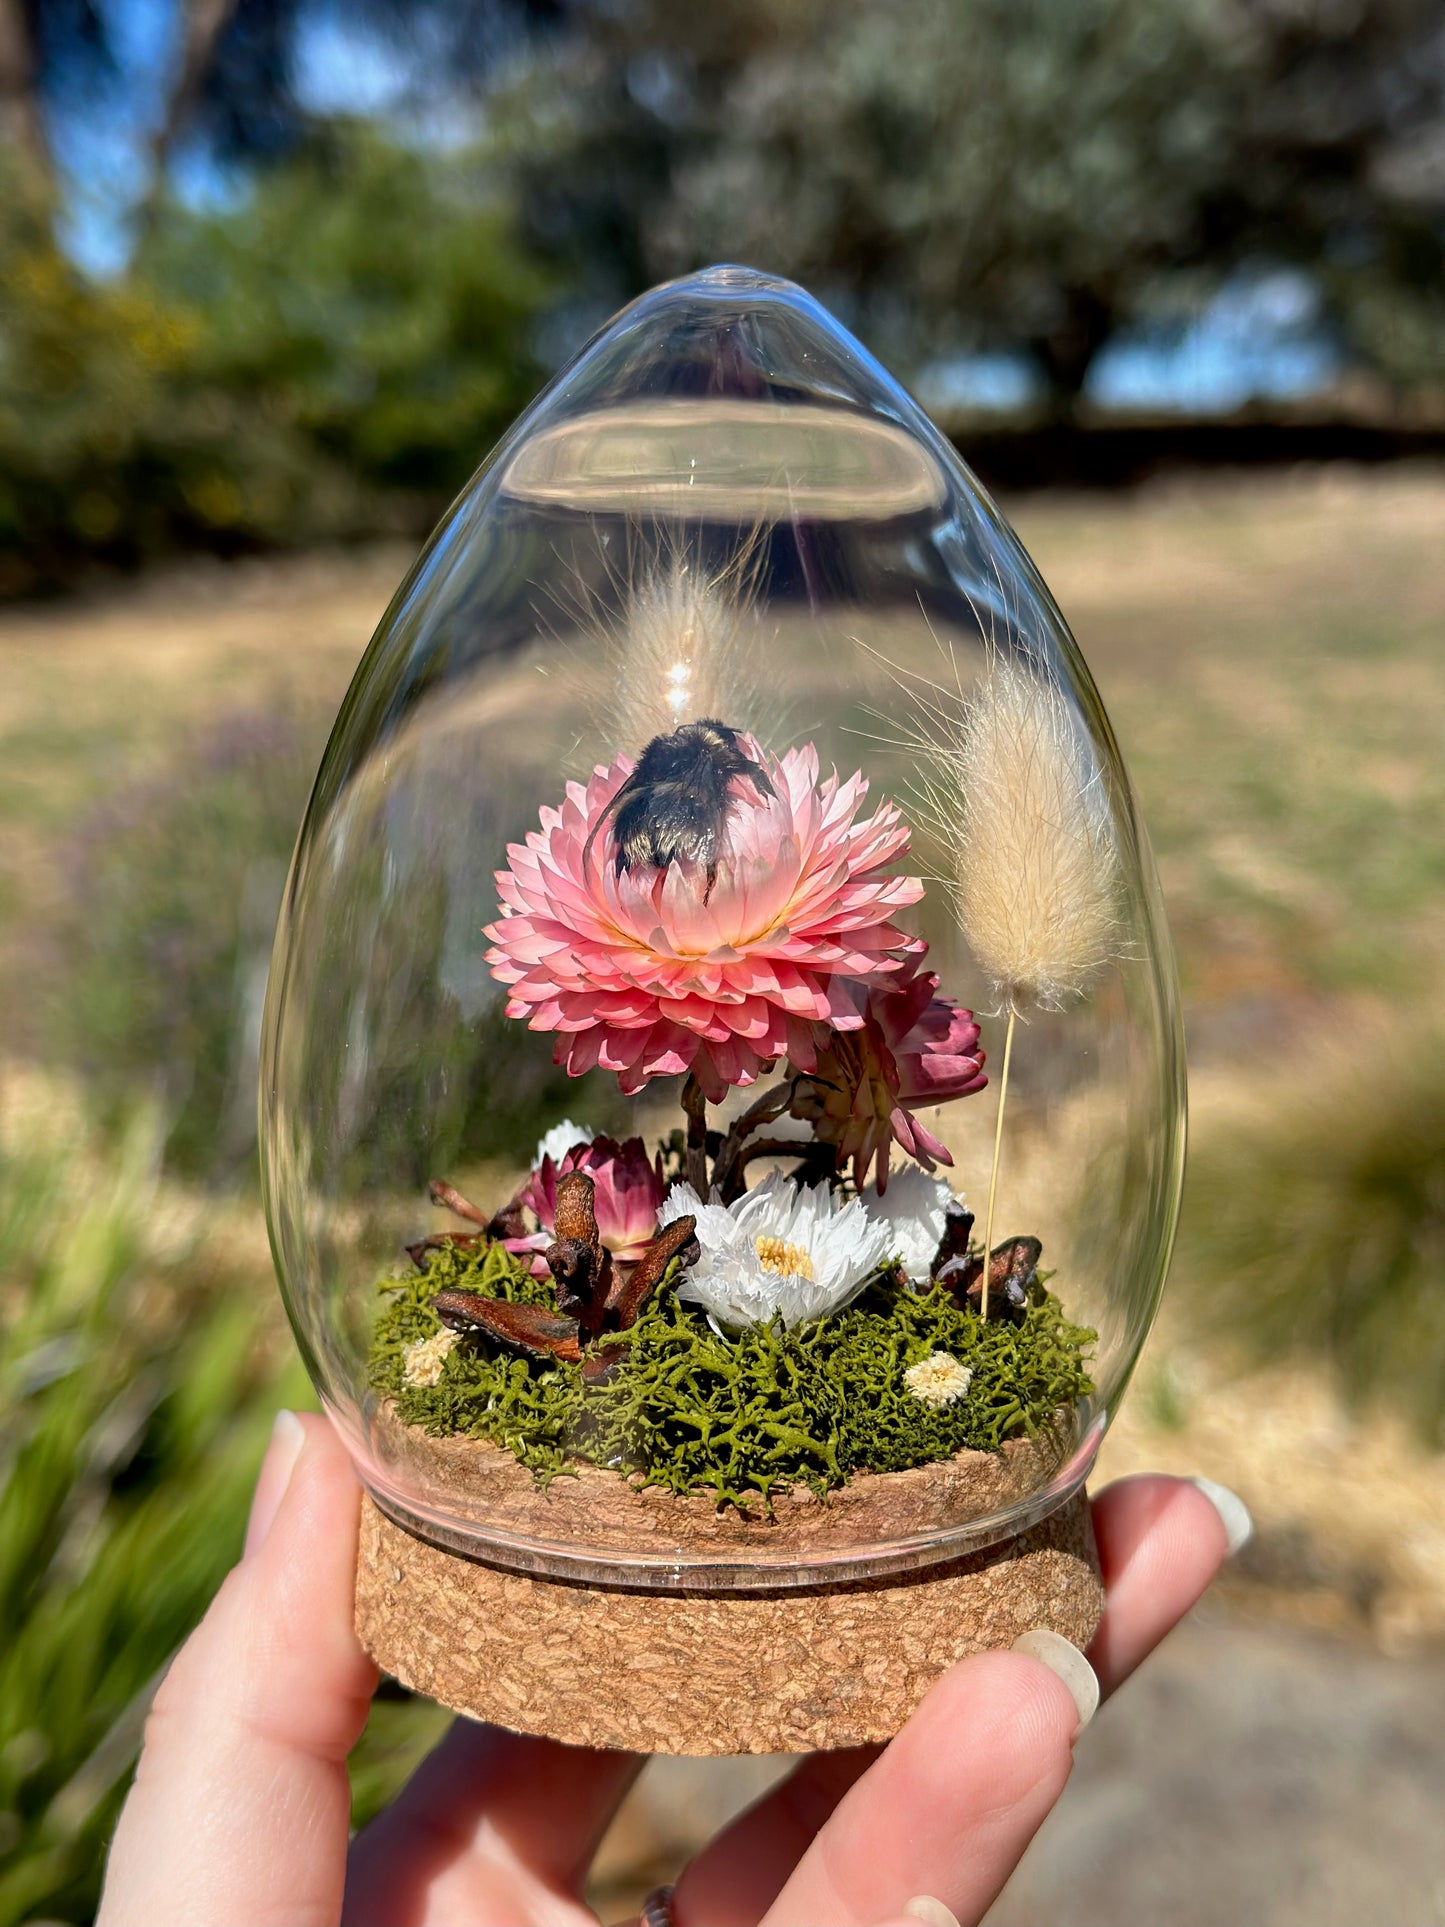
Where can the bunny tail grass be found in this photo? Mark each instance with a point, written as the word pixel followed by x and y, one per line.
pixel 1015 793
pixel 1036 867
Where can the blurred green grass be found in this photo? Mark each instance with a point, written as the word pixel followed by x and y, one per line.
pixel 143 1362
pixel 1316 1227
pixel 1270 655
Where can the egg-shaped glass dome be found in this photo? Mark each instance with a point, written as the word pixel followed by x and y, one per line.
pixel 722 1092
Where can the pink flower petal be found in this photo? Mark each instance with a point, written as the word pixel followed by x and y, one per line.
pixel 650 973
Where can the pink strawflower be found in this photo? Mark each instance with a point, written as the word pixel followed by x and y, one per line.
pixel 914 1048
pixel 648 973
pixel 627 1194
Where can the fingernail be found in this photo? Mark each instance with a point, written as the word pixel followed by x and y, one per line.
pixel 288 1435
pixel 925 1907
pixel 1065 1659
pixel 1238 1525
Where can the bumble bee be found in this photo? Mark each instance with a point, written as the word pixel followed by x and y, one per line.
pixel 675 803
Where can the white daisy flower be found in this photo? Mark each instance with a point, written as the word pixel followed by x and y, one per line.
pixel 913 1207
pixel 561 1139
pixel 422 1363
pixel 938 1379
pixel 780 1248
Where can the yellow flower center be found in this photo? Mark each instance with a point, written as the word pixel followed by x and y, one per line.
pixel 774 1254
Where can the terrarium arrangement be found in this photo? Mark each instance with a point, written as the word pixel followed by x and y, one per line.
pixel 795 1295
pixel 723 776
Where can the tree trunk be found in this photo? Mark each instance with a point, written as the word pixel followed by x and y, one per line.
pixel 202 22
pixel 1066 352
pixel 22 131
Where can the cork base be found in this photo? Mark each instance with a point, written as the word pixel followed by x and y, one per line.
pixel 790 1672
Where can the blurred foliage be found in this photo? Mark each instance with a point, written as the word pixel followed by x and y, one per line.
pixel 131 1423
pixel 330 358
pixel 365 302
pixel 137 1382
pixel 1319 1231
pixel 946 172
pixel 978 172
pixel 232 78
pixel 159 959
pixel 157 966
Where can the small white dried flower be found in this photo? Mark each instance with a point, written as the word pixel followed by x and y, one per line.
pixel 780 1249
pixel 938 1379
pixel 422 1363
pixel 915 1210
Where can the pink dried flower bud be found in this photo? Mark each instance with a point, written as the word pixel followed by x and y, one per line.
pixel 915 1048
pixel 628 1189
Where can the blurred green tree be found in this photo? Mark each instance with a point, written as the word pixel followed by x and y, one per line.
pixel 331 354
pixel 958 173
pixel 365 304
pixel 330 358
pixel 86 370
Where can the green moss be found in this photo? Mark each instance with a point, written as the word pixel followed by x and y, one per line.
pixel 736 1416
pixel 530 1408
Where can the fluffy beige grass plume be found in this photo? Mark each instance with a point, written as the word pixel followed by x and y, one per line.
pixel 1016 795
pixel 1035 863
pixel 684 645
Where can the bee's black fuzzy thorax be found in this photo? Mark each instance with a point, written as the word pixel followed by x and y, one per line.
pixel 675 803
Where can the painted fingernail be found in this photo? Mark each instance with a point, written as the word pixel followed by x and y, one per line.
pixel 924 1907
pixel 1065 1659
pixel 1238 1525
pixel 288 1435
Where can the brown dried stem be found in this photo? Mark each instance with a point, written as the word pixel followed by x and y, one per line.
pixel 448 1195
pixel 694 1105
pixel 734 1151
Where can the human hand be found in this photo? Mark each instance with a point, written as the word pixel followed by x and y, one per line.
pixel 239 1816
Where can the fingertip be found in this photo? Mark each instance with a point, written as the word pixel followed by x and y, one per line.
pixel 1063 1658
pixel 323 1478
pixel 1234 1514
pixel 922 1907
pixel 1161 1541
pixel 958 1795
pixel 929 1909
pixel 288 1436
pixel 301 1582
pixel 1035 1703
pixel 1176 1521
pixel 241 1801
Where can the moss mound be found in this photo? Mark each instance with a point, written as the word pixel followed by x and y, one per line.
pixel 734 1416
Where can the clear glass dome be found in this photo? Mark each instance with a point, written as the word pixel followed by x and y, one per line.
pixel 721 916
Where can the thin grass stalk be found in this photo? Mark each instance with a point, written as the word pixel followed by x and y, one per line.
pixel 1008 1050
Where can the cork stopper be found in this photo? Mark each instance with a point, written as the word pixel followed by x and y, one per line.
pixel 785 1672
